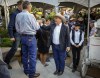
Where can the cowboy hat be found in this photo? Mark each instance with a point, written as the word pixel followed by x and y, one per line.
pixel 77 24
pixel 61 17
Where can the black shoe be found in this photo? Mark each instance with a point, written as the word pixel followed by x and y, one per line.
pixel 25 73
pixel 73 70
pixel 56 72
pixel 9 66
pixel 60 73
pixel 36 75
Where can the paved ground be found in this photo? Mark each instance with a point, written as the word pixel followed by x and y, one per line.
pixel 47 72
pixel 16 71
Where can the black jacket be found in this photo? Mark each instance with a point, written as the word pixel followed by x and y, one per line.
pixel 11 26
pixel 64 36
pixel 43 36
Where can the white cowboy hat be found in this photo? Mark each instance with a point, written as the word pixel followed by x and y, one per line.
pixel 61 17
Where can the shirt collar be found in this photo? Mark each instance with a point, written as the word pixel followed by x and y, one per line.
pixel 60 24
pixel 25 11
pixel 77 30
pixel 19 10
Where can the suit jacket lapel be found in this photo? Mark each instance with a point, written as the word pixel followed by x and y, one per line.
pixel 52 30
pixel 61 31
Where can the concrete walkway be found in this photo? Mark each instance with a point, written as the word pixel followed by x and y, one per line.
pixel 47 72
pixel 16 71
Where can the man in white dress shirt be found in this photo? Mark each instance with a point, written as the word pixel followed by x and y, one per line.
pixel 77 39
pixel 60 41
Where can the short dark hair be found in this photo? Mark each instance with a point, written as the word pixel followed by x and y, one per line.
pixel 25 4
pixel 19 2
pixel 48 19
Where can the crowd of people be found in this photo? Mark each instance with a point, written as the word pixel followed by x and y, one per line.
pixel 60 33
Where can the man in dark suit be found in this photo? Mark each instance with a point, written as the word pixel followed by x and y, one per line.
pixel 60 41
pixel 14 36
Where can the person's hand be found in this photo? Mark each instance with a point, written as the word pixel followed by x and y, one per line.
pixel 78 46
pixel 75 45
pixel 68 49
pixel 12 39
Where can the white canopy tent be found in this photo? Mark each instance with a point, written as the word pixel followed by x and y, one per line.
pixel 54 2
pixel 83 2
pixel 7 3
pixel 86 3
pixel 12 2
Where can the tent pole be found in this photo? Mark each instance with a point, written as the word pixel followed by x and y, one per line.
pixel 88 18
pixel 6 13
pixel 56 9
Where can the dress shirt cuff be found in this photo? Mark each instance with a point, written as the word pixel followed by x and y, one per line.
pixel 73 43
pixel 80 43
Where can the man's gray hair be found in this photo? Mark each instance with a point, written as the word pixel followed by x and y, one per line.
pixel 25 4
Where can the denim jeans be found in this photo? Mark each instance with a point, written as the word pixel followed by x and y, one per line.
pixel 13 49
pixel 59 57
pixel 29 54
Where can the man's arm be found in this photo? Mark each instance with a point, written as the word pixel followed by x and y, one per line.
pixel 68 40
pixel 72 42
pixel 82 39
pixel 35 24
pixel 11 25
pixel 16 25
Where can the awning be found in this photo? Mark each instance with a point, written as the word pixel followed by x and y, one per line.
pixel 83 2
pixel 12 2
pixel 55 2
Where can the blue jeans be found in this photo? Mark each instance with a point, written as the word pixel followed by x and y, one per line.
pixel 29 54
pixel 59 57
pixel 13 49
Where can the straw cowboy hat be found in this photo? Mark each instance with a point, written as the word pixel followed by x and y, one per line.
pixel 61 17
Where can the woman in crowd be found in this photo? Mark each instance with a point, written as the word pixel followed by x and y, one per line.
pixel 43 37
pixel 93 29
